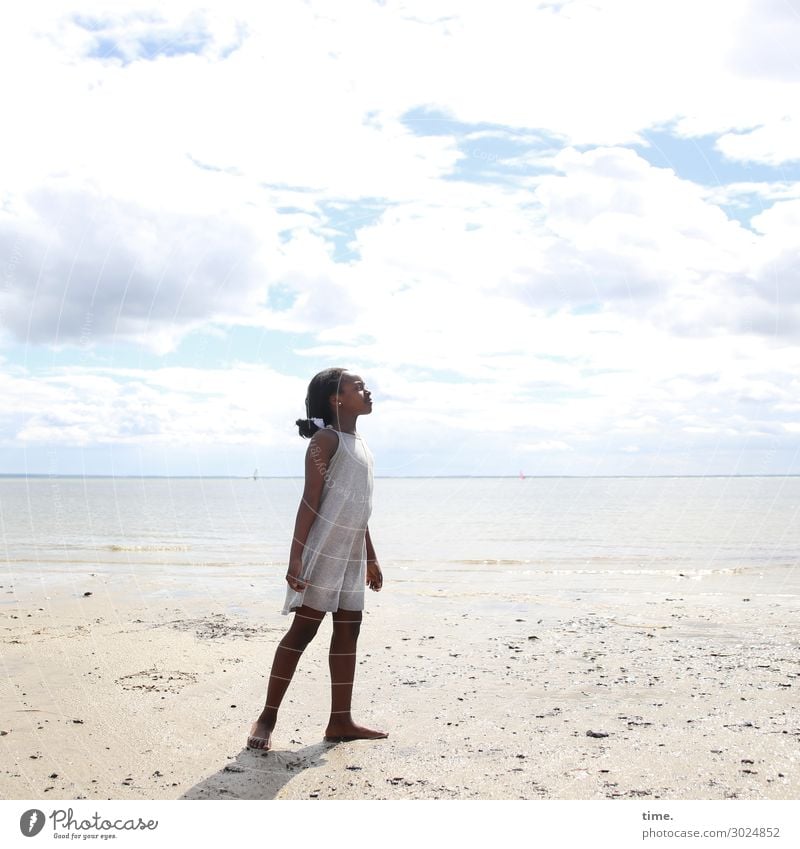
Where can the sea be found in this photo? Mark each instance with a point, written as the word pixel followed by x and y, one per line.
pixel 501 541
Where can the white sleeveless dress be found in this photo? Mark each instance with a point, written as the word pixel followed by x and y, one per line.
pixel 335 554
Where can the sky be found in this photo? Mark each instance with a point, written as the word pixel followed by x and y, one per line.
pixel 557 238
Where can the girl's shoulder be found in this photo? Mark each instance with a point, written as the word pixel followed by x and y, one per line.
pixel 325 437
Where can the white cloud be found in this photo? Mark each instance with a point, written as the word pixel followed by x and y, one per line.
pixel 742 194
pixel 774 144
pixel 546 446
pixel 767 35
pixel 82 406
pixel 725 387
pixel 92 267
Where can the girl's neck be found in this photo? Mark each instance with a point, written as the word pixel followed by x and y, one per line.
pixel 347 424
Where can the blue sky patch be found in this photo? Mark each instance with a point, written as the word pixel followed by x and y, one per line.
pixel 698 160
pixel 493 153
pixel 153 43
pixel 347 218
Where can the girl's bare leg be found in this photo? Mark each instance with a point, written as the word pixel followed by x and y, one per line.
pixel 303 630
pixel 342 662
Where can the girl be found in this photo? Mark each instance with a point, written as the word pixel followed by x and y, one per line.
pixel 331 557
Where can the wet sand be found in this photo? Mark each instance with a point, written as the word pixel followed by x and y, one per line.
pixel 147 690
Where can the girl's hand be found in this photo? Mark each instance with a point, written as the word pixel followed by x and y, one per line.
pixel 293 575
pixel 374 575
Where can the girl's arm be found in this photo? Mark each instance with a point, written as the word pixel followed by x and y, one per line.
pixel 374 574
pixel 320 450
pixel 371 556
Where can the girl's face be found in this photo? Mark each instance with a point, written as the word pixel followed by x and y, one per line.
pixel 355 397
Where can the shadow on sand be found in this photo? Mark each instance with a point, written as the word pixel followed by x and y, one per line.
pixel 259 775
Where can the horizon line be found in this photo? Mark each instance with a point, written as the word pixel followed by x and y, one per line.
pixel 385 477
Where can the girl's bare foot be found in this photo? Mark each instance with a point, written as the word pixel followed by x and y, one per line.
pixel 350 731
pixel 260 736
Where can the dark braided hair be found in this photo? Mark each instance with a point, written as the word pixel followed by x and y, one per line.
pixel 322 386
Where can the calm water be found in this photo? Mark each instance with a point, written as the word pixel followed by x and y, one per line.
pixel 507 535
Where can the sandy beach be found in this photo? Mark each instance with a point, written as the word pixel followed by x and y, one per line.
pixel 146 689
